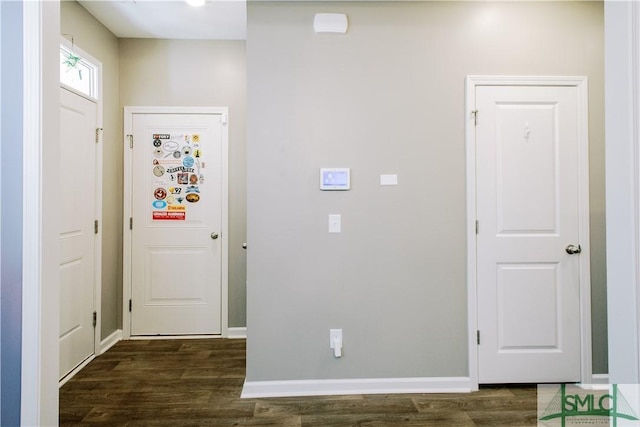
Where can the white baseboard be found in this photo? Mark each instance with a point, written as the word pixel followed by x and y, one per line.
pixel 237 333
pixel 77 369
pixel 254 389
pixel 172 337
pixel 110 341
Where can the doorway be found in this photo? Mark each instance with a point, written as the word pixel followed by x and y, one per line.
pixel 79 208
pixel 175 273
pixel 528 230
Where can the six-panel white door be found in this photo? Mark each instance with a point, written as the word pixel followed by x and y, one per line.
pixel 527 208
pixel 176 250
pixel 76 192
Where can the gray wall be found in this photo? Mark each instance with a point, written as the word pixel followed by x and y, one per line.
pixel 199 73
pixel 388 97
pixel 99 42
pixel 11 103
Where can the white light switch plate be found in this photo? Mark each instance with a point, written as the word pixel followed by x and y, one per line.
pixel 335 336
pixel 335 223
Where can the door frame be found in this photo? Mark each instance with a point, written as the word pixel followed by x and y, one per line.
pixel 97 251
pixel 471 83
pixel 129 111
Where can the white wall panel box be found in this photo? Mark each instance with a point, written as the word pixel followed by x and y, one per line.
pixel 336 23
pixel 388 179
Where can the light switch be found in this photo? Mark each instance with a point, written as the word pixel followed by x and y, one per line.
pixel 335 223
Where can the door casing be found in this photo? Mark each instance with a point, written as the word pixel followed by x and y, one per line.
pixel 128 211
pixel 583 199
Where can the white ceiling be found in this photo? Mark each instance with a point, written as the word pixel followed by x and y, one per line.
pixel 171 19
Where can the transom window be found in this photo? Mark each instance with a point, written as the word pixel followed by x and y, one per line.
pixel 78 73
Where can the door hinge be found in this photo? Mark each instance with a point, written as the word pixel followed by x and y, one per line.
pixel 130 140
pixel 98 130
pixel 95 227
pixel 129 305
pixel 478 336
pixel 475 117
pixel 224 119
pixel 131 223
pixel 477 226
pixel 95 319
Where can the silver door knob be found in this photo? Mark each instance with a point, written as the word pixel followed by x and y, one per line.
pixel 214 235
pixel 573 249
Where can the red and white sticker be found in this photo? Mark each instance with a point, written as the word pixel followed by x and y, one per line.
pixel 169 215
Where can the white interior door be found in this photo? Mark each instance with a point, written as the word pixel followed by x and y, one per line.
pixel 176 266
pixel 76 207
pixel 528 285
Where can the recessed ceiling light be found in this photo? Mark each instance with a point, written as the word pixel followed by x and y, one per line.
pixel 195 3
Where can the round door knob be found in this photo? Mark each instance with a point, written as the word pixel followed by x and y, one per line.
pixel 214 235
pixel 573 249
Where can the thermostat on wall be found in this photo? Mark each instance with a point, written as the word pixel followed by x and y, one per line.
pixel 335 178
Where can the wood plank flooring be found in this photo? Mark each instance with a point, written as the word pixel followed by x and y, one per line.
pixel 198 383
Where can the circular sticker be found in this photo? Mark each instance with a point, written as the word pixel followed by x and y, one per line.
pixel 176 154
pixel 186 150
pixel 160 193
pixel 157 143
pixel 192 197
pixel 193 179
pixel 159 204
pixel 157 152
pixel 158 170
pixel 188 161
pixel 170 146
pixel 171 199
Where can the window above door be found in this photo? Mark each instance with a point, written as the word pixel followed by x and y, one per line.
pixel 77 72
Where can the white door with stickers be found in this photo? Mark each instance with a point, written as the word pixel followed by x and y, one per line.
pixel 528 142
pixel 78 123
pixel 177 177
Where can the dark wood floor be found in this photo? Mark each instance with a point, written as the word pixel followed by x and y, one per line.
pixel 198 383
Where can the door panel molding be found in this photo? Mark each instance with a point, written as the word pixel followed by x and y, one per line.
pixel 129 112
pixel 471 116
